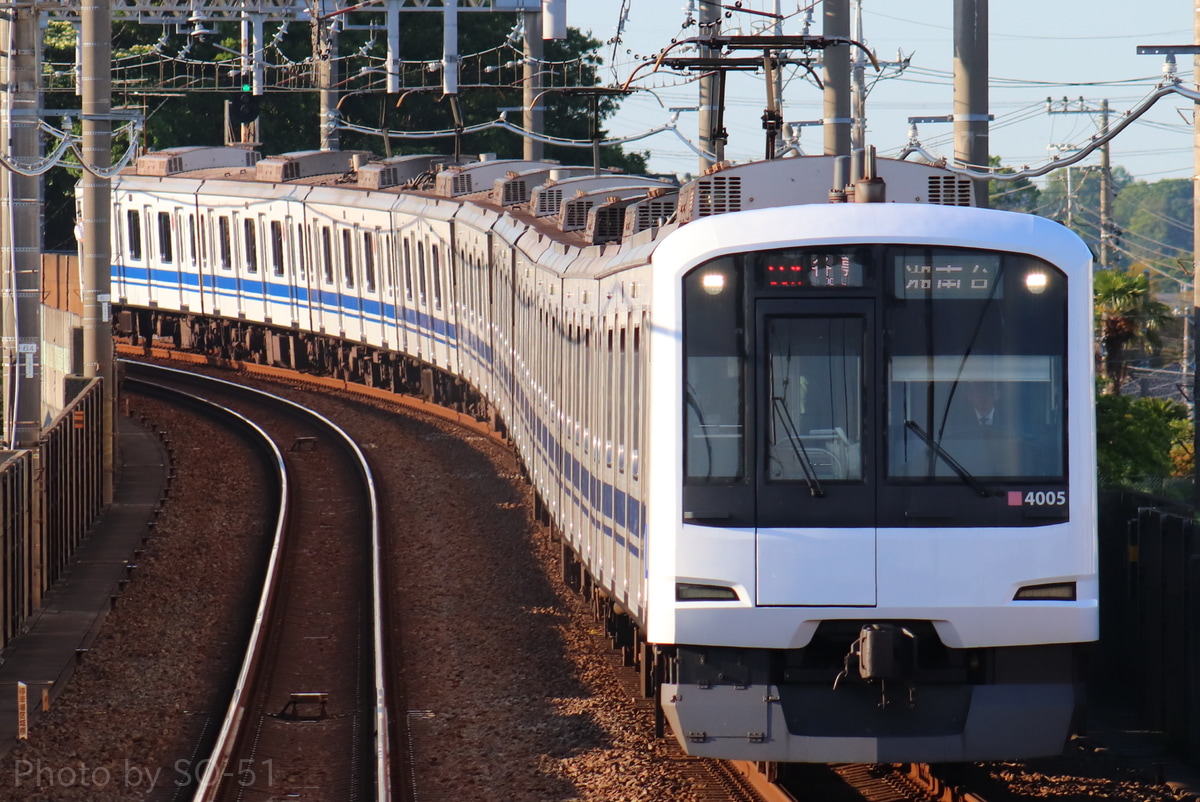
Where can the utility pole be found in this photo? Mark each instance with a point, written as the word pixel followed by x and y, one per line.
pixel 858 84
pixel 971 89
pixel 836 59
pixel 21 228
pixel 712 84
pixel 1081 106
pixel 531 85
pixel 327 73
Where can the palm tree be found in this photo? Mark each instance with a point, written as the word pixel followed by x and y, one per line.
pixel 1127 316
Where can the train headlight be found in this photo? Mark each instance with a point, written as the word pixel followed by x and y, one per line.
pixel 1054 591
pixel 1036 282
pixel 713 283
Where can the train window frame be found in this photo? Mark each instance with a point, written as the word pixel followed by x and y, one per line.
pixel 301 232
pixel 347 254
pixel 422 279
pixel 225 241
pixel 635 434
pixel 192 240
pixel 408 281
pixel 437 277
pixel 166 253
pixel 327 254
pixel 277 262
pixel 623 399
pixel 368 260
pixel 250 238
pixel 133 231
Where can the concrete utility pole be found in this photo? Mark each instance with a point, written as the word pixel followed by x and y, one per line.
pixel 711 139
pixel 531 86
pixel 21 227
pixel 325 51
pixel 971 89
pixel 96 202
pixel 837 79
pixel 858 88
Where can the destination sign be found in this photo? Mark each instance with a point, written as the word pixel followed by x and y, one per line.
pixel 808 269
pixel 957 275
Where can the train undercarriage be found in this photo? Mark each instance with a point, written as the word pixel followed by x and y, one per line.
pixel 314 354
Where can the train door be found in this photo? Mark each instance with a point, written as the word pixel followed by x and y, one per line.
pixel 147 254
pixel 294 268
pixel 815 497
pixel 424 319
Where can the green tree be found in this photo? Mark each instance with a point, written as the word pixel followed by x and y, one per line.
pixel 1127 317
pixel 1017 195
pixel 1140 437
pixel 288 119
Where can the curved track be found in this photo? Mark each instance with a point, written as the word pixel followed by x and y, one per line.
pixel 309 714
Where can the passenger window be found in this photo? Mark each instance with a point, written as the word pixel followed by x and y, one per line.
pixel 369 260
pixel 327 253
pixel 165 253
pixel 134 230
pixel 437 279
pixel 251 246
pixel 408 280
pixel 348 258
pixel 421 273
pixel 225 241
pixel 277 247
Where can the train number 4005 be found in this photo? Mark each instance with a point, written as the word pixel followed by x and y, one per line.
pixel 1039 498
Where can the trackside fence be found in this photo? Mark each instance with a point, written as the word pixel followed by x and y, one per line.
pixel 1148 658
pixel 49 499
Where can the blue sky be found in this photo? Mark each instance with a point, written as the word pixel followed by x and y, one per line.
pixel 1073 48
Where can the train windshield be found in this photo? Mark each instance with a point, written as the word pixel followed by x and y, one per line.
pixel 974 367
pixel 874 386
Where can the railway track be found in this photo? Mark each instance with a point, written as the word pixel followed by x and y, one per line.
pixel 308 717
pixel 711 781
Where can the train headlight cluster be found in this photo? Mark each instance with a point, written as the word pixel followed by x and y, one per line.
pixel 713 283
pixel 1036 282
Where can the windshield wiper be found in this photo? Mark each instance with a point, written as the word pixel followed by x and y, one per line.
pixel 810 473
pixel 962 472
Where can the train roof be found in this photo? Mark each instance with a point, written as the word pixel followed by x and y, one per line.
pixel 545 208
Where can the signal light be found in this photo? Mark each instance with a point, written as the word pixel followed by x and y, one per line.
pixel 243 108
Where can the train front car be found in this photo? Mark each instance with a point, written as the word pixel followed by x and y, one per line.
pixel 881 454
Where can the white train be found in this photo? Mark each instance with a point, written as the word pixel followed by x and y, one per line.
pixel 827 467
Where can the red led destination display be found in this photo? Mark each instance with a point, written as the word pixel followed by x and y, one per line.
pixel 809 270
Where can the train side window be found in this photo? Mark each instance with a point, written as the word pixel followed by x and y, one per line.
pixel 635 404
pixel 389 275
pixel 134 229
pixel 165 254
pixel 421 273
pixel 348 258
pixel 225 242
pixel 251 245
pixel 622 402
pixel 192 239
pixel 609 401
pixel 302 250
pixel 437 279
pixel 277 247
pixel 408 280
pixel 368 244
pixel 327 253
